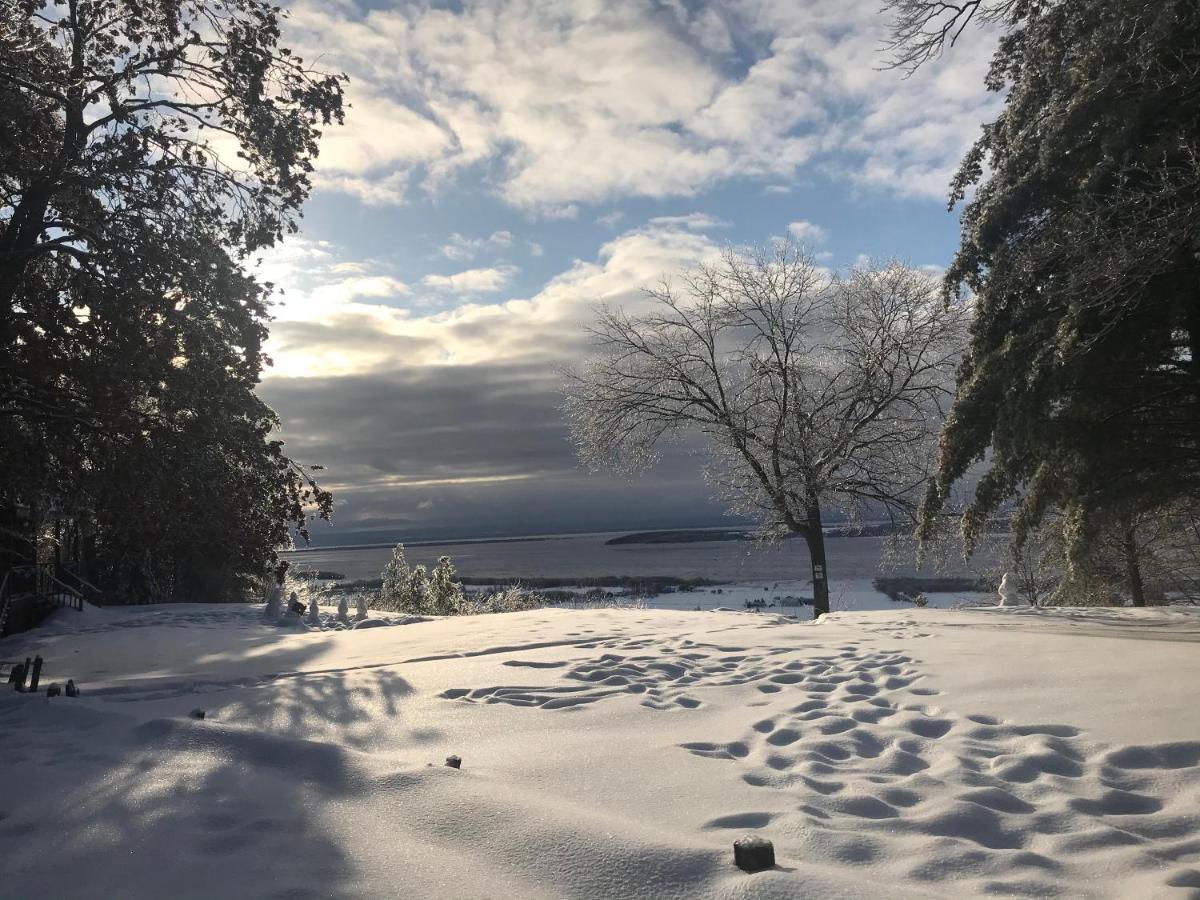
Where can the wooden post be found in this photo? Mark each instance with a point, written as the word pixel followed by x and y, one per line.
pixel 37 674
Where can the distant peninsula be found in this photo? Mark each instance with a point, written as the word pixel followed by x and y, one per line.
pixel 705 535
pixel 681 536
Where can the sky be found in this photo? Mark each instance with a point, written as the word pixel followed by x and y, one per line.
pixel 507 165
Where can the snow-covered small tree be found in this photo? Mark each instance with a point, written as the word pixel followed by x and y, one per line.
pixel 445 594
pixel 396 575
pixel 314 613
pixel 360 614
pixel 343 611
pixel 415 598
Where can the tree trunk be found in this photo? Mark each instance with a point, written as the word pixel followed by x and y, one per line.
pixel 1133 569
pixel 815 537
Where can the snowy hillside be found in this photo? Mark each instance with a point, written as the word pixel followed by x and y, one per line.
pixel 609 753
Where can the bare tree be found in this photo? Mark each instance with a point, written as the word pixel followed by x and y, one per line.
pixel 811 390
pixel 1149 556
pixel 921 29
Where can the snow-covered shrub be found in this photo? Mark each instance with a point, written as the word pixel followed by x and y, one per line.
pixel 343 610
pixel 274 607
pixel 511 599
pixel 314 611
pixel 360 614
pixel 412 590
pixel 404 589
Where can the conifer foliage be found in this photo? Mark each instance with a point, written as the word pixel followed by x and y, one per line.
pixel 1081 249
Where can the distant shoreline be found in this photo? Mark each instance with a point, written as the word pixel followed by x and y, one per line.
pixel 387 545
pixel 659 536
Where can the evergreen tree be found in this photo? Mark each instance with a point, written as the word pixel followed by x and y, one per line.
pixel 395 578
pixel 1081 248
pixel 416 592
pixel 445 594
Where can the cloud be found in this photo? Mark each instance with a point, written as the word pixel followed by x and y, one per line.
pixel 691 221
pixel 385 190
pixel 807 232
pixel 461 248
pixel 479 448
pixel 343 317
pixel 562 102
pixel 473 281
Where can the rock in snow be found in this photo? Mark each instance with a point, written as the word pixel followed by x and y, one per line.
pixel 753 853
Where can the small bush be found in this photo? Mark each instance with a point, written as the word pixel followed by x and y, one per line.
pixel 512 599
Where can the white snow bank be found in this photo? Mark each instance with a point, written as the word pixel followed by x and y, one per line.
pixel 607 753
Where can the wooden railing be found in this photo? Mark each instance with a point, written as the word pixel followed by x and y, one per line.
pixel 33 592
pixel 5 597
pixel 80 586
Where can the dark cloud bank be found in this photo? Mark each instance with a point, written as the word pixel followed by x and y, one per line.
pixel 468 451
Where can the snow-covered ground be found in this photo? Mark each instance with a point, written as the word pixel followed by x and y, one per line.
pixel 607 753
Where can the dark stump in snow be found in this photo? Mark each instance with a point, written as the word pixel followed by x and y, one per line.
pixel 71 690
pixel 753 853
pixel 454 762
pixel 53 690
pixel 197 713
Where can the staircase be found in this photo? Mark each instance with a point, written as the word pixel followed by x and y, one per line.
pixel 33 592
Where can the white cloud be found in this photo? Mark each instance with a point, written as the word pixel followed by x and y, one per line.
pixel 472 281
pixel 808 233
pixel 462 248
pixel 333 325
pixel 378 133
pixel 691 221
pixel 389 189
pixel 573 101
